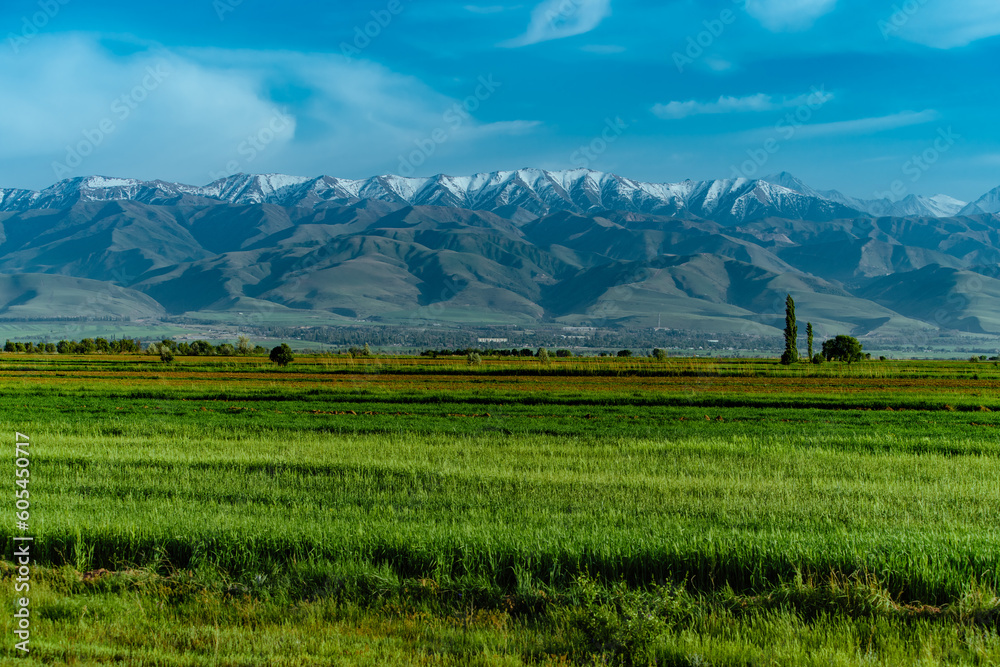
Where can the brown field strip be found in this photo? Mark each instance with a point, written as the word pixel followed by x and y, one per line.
pixel 339 380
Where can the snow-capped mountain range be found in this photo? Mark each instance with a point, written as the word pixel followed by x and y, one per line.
pixel 519 195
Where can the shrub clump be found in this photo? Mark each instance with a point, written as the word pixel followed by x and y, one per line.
pixel 282 355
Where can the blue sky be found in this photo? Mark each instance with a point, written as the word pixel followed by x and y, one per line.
pixel 860 96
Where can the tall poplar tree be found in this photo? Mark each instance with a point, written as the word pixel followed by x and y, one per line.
pixel 809 338
pixel 791 354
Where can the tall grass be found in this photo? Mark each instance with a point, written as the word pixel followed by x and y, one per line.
pixel 746 512
pixel 747 519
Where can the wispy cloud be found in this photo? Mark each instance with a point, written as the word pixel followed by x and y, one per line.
pixel 557 19
pixel 718 64
pixel 603 49
pixel 944 26
pixel 986 160
pixel 482 9
pixel 788 15
pixel 510 128
pixel 728 104
pixel 872 125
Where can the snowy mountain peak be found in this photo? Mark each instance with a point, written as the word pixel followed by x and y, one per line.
pixel 988 203
pixel 520 194
pixel 940 206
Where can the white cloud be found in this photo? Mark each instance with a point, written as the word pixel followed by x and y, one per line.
pixel 788 15
pixel 603 49
pixel 729 104
pixel 491 9
pixel 674 110
pixel 987 160
pixel 510 128
pixel 943 26
pixel 151 107
pixel 354 117
pixel 718 64
pixel 869 125
pixel 557 19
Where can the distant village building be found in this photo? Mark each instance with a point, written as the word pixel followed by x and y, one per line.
pixel 492 340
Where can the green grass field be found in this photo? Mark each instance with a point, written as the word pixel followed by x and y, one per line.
pixel 407 511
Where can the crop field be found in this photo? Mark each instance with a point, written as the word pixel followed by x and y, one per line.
pixel 224 511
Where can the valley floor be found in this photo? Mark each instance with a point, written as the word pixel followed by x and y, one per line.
pixel 376 511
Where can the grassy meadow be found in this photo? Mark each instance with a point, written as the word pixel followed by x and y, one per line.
pixel 223 511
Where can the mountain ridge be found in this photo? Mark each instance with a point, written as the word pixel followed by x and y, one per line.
pixel 520 195
pixel 576 248
pixel 393 263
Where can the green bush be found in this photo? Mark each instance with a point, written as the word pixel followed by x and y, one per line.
pixel 843 348
pixel 282 355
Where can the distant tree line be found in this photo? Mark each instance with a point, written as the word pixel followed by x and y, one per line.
pixel 82 318
pixel 202 348
pixel 85 346
pixel 464 352
pixel 524 352
pixel 447 338
pixel 199 348
pixel 542 353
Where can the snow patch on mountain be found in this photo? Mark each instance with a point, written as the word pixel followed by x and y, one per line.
pixel 102 183
pixel 520 194
pixel 939 206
